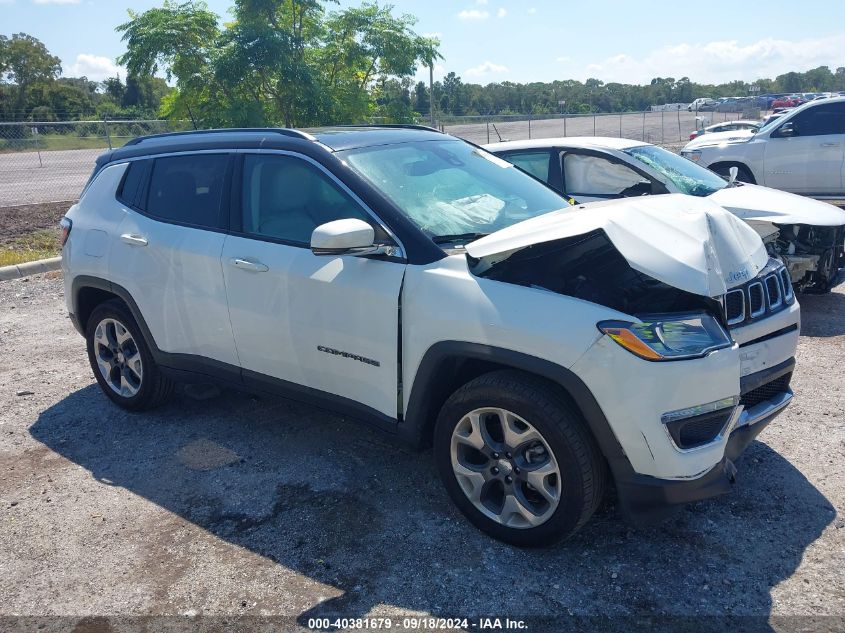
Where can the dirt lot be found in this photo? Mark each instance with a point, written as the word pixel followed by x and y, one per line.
pixel 25 219
pixel 238 505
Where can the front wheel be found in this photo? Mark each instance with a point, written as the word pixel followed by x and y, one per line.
pixel 742 173
pixel 517 460
pixel 121 360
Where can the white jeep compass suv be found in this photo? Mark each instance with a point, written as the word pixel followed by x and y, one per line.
pixel 415 281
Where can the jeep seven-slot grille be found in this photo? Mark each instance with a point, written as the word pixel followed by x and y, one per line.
pixel 769 292
pixel 766 392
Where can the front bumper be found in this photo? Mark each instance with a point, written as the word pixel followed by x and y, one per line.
pixel 645 499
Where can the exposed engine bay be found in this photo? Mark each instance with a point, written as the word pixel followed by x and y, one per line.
pixel 590 267
pixel 812 254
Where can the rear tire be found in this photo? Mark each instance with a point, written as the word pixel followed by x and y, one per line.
pixel 121 360
pixel 518 460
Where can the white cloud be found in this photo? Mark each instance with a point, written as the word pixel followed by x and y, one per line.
pixel 502 12
pixel 473 14
pixel 422 73
pixel 532 11
pixel 95 67
pixel 720 61
pixel 56 1
pixel 487 68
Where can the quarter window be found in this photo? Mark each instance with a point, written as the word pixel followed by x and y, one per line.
pixel 130 191
pixel 286 198
pixel 188 189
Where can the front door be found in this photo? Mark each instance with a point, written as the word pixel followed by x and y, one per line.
pixel 328 323
pixel 811 161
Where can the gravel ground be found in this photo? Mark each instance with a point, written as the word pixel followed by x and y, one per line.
pixel 236 505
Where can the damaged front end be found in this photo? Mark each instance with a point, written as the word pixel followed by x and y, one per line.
pixel 813 255
pixel 590 267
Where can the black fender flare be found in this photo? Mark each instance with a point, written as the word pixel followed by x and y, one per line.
pixel 419 416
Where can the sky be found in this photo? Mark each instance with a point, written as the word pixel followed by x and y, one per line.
pixel 487 41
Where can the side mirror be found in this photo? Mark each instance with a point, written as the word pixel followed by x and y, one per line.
pixel 787 129
pixel 345 237
pixel 734 172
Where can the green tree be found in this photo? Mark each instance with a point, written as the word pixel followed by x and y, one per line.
pixel 25 62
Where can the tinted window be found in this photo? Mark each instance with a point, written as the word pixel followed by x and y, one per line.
pixel 130 190
pixel 820 120
pixel 535 163
pixel 188 189
pixel 287 198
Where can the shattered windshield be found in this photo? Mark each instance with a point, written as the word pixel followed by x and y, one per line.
pixel 688 177
pixel 453 191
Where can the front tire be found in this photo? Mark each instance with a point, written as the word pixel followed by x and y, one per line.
pixel 742 173
pixel 517 459
pixel 121 360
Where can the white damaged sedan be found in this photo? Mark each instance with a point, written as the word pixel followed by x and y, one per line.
pixel 808 235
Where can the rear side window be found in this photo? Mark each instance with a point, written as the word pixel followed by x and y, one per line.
pixel 188 189
pixel 535 163
pixel 130 189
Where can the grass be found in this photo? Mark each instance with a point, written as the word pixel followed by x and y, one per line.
pixel 28 248
pixel 53 142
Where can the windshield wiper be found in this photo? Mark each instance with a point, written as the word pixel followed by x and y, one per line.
pixel 458 237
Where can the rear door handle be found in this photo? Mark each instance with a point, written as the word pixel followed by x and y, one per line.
pixel 134 240
pixel 245 264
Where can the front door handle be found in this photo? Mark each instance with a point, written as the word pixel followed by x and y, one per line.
pixel 830 144
pixel 134 240
pixel 245 264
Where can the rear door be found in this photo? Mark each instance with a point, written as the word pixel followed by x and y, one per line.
pixel 167 254
pixel 302 321
pixel 811 162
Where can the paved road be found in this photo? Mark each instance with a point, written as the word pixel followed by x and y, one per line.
pixel 239 505
pixel 58 175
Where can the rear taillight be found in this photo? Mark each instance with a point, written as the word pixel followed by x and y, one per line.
pixel 66 224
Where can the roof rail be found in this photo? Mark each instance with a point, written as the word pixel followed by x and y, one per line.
pixel 409 126
pixel 274 130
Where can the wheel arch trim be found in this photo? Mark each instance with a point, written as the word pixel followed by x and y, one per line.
pixel 419 416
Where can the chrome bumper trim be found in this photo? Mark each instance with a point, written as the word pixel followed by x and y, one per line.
pixel 764 409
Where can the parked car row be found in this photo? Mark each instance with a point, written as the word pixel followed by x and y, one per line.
pixel 543 347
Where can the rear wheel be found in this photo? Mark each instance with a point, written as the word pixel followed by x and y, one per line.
pixel 517 460
pixel 121 360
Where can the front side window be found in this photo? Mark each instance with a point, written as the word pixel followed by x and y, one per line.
pixel 286 198
pixel 588 175
pixel 689 178
pixel 188 189
pixel 820 120
pixel 451 188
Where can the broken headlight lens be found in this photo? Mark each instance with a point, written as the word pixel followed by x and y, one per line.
pixel 669 336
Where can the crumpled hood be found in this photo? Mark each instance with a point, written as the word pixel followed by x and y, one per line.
pixel 689 243
pixel 719 138
pixel 752 202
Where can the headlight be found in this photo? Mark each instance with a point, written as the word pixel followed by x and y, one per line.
pixel 694 155
pixel 669 336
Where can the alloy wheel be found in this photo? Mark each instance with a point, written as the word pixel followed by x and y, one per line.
pixel 505 468
pixel 118 357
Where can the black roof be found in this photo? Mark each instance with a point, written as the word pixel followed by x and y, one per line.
pixel 334 138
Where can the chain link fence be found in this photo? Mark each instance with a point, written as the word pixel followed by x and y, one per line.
pixel 668 128
pixel 44 162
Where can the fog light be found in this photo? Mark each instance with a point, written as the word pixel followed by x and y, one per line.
pixel 702 424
